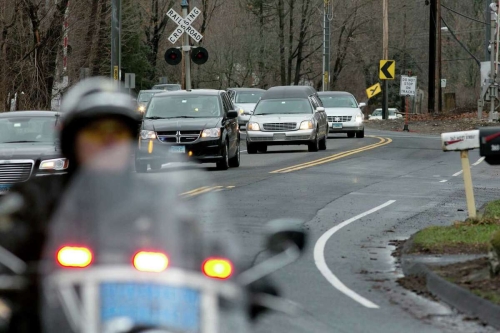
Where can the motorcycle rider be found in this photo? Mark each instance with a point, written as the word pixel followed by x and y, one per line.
pixel 96 116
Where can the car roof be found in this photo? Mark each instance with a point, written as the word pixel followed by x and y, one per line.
pixel 150 90
pixel 289 92
pixel 334 93
pixel 205 92
pixel 29 114
pixel 246 89
pixel 166 84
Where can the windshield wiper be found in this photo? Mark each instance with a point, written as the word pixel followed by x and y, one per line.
pixel 184 117
pixel 153 118
pixel 20 141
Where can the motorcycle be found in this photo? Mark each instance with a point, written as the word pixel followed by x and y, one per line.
pixel 128 253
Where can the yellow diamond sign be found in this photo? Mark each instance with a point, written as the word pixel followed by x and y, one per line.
pixel 373 90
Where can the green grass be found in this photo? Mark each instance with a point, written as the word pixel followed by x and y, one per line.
pixel 489 295
pixel 492 210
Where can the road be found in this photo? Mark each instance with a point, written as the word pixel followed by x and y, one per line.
pixel 354 198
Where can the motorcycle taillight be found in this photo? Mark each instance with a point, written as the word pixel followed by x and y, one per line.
pixel 217 268
pixel 76 257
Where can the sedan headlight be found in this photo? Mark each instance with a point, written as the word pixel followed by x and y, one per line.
pixel 359 118
pixel 242 111
pixel 253 127
pixel 305 125
pixel 211 133
pixel 55 164
pixel 141 108
pixel 148 135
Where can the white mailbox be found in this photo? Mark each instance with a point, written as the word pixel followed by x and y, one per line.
pixel 458 141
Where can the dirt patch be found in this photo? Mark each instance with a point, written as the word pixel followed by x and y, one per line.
pixel 473 275
pixel 459 248
pixel 398 244
pixel 433 124
pixel 416 284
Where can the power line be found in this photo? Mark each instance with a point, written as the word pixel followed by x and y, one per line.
pixel 463 15
pixel 461 44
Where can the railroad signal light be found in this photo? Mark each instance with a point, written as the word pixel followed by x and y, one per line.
pixel 199 55
pixel 173 56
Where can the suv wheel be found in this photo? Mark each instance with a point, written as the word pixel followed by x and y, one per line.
pixel 223 164
pixel 351 135
pixel 234 162
pixel 322 143
pixel 360 134
pixel 314 146
pixel 251 148
pixel 140 167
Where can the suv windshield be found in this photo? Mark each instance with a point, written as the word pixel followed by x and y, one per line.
pixel 283 106
pixel 26 129
pixel 248 97
pixel 339 101
pixel 184 107
pixel 145 97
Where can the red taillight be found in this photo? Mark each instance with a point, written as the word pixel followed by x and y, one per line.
pixel 70 256
pixel 217 268
pixel 150 261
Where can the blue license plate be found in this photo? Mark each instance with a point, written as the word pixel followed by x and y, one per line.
pixel 175 308
pixel 4 188
pixel 337 125
pixel 178 149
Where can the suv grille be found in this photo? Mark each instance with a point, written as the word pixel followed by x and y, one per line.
pixel 15 172
pixel 280 126
pixel 178 136
pixel 339 119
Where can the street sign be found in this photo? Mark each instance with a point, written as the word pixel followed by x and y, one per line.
pixel 387 69
pixel 443 83
pixel 129 81
pixel 457 141
pixel 184 25
pixel 408 85
pixel 373 90
pixel 115 73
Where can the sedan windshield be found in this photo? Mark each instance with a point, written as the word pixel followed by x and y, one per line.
pixel 248 97
pixel 344 101
pixel 145 97
pixel 184 107
pixel 26 129
pixel 283 106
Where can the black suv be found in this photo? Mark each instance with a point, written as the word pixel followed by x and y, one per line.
pixel 197 124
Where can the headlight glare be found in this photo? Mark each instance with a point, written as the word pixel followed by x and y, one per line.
pixel 253 127
pixel 55 164
pixel 359 118
pixel 142 108
pixel 305 125
pixel 211 133
pixel 242 111
pixel 148 135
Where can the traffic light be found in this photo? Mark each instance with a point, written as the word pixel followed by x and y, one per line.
pixel 199 55
pixel 173 56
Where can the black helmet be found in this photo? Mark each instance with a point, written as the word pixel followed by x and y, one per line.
pixel 91 99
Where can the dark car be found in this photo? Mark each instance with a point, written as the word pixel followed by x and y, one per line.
pixel 28 147
pixel 198 124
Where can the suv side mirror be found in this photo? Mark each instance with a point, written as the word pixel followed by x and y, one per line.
pixel 362 105
pixel 232 114
pixel 320 109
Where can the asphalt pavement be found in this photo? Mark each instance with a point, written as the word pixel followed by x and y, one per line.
pixel 354 198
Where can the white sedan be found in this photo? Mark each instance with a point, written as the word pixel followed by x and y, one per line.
pixel 377 114
pixel 344 113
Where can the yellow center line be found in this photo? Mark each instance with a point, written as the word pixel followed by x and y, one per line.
pixel 200 190
pixel 382 142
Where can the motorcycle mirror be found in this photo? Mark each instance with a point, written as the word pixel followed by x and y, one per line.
pixel 283 232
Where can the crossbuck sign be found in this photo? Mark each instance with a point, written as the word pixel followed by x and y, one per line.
pixel 184 25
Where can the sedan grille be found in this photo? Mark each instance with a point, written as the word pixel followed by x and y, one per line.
pixel 339 119
pixel 178 136
pixel 15 172
pixel 276 127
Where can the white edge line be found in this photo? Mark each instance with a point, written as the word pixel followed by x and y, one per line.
pixel 458 173
pixel 479 161
pixel 444 181
pixel 319 258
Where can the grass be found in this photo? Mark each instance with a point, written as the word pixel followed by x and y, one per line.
pixel 491 296
pixel 492 210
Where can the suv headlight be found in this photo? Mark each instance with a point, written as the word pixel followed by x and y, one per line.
pixel 211 133
pixel 305 125
pixel 141 108
pixel 253 127
pixel 148 135
pixel 359 118
pixel 55 164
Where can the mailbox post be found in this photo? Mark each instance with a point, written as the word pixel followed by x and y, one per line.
pixel 463 142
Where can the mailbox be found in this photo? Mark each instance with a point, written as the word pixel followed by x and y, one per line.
pixel 458 141
pixel 489 139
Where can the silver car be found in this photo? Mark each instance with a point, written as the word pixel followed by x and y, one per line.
pixel 245 100
pixel 344 113
pixel 291 115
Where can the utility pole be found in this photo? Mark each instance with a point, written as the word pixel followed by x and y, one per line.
pixel 487 13
pixel 326 45
pixel 493 74
pixel 385 56
pixel 432 56
pixel 439 63
pixel 116 19
pixel 186 47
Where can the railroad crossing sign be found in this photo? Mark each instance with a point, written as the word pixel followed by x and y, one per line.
pixel 184 25
pixel 408 85
pixel 387 69
pixel 373 90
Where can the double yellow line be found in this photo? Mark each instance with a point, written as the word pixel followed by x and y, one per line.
pixel 204 189
pixel 382 142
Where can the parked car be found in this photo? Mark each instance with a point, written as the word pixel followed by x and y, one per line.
pixel 344 113
pixel 198 124
pixel 393 114
pixel 245 100
pixel 28 147
pixel 167 86
pixel 288 115
pixel 144 97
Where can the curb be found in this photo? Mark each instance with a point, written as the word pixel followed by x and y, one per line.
pixel 456 296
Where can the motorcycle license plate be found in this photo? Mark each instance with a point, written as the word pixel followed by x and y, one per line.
pixel 4 188
pixel 149 304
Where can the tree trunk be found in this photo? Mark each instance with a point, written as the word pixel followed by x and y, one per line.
pixel 103 42
pixel 281 20
pixel 92 30
pixel 290 43
pixel 302 39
